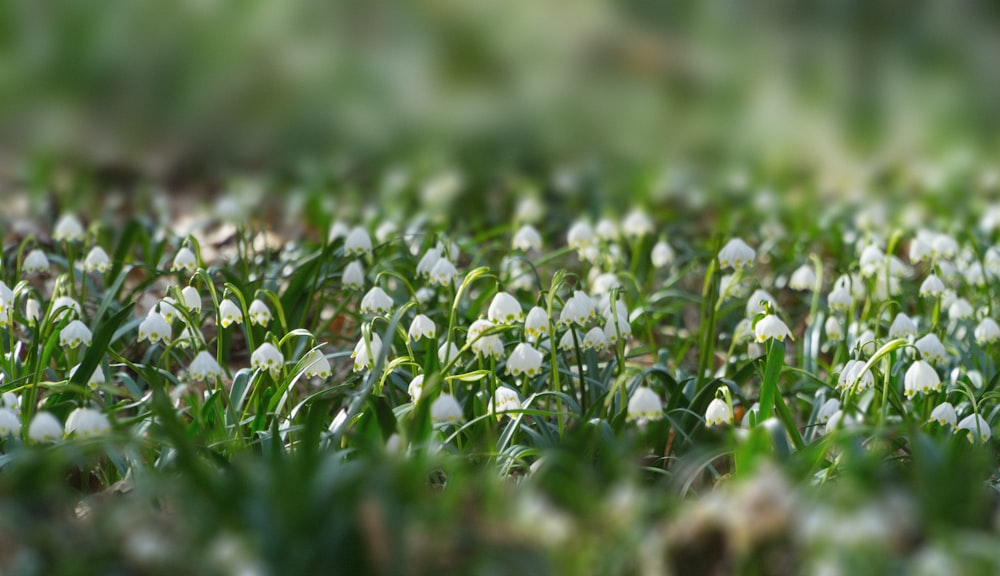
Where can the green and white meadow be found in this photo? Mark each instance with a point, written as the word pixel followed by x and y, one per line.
pixel 664 389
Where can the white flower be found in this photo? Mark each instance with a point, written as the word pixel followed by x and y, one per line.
pixel 96 378
pixel 421 327
pixel 259 313
pixel 154 328
pixel 316 365
pixel 447 352
pixel 944 245
pixel 443 273
pixel 505 400
pixel 867 342
pixel 770 327
pixel 358 242
pixel 718 413
pixel 416 387
pixel 839 299
pixel 662 254
pixel 613 329
pixel 529 209
pixel 376 301
pixel 595 339
pixel 10 400
pixel 932 286
pixel 74 334
pixel 266 356
pixel 644 405
pixel 32 310
pixel 872 260
pixel 637 224
pixel 804 278
pixel 229 313
pixel 35 262
pixel 10 425
pixel 827 410
pixel 606 229
pixel 505 309
pixel 427 262
pixel 920 377
pixel 97 260
pixel 167 309
pixel 537 323
pixel 754 303
pixel 841 420
pixel 975 426
pixel 566 343
pixel 736 254
pixel 362 360
pixel 579 309
pixel 57 305
pixel 188 338
pixel 337 230
pixel 87 423
pixel 445 410
pixel 354 276
pixel 932 349
pixel 853 284
pixel 68 229
pixel 852 379
pixel 192 299
pixel 45 427
pixel 184 260
pixel 385 231
pixel 490 345
pixel 987 332
pixel 580 236
pixel 834 331
pixel 902 327
pixel 527 239
pixel 944 414
pixel 203 367
pixel 524 360
pixel 919 250
pixel 960 309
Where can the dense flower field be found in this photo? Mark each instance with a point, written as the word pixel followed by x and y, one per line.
pixel 628 394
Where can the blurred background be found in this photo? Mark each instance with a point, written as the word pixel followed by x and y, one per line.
pixel 430 101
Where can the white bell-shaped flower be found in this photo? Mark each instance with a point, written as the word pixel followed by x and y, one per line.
pixel 606 229
pixel 481 345
pixel 204 367
pixel 316 365
pixel 229 313
pixel 975 426
pixel 362 360
pixel 580 235
pixel 427 262
pixel 354 276
pixel 87 423
pixel 718 413
pixel 921 377
pixel 74 334
pixel 827 410
pixel 614 329
pixel 595 339
pixel 637 224
pixel 168 309
pixel 537 323
pixel 259 313
pixel 644 405
pixel 421 327
pixel 769 327
pixel 10 424
pixel 505 309
pixel 902 327
pixel 443 273
pixel 446 410
pixel 736 254
pixel 987 332
pixel 376 301
pixel 184 260
pixel 834 331
pixel 504 400
pixel 944 246
pixel 35 262
pixel 192 299
pixel 337 231
pixel 804 278
pixel 839 299
pixel 97 377
pixel 524 360
pixel 45 427
pixel 97 260
pixel 932 286
pixel 267 357
pixel 932 349
pixel 32 310
pixel 154 328
pixel 416 387
pixel 755 303
pixel 68 229
pixel 944 414
pixel 960 309
pixel 58 305
pixel 527 239
pixel 358 242
pixel 662 254
pixel 872 260
pixel 578 309
pixel 447 352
